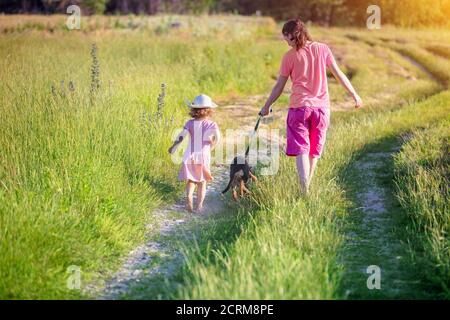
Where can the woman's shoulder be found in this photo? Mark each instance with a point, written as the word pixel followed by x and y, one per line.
pixel 290 52
pixel 318 44
pixel 320 47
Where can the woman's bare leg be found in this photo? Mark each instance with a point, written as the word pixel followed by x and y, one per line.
pixel 302 161
pixel 312 167
pixel 201 193
pixel 190 187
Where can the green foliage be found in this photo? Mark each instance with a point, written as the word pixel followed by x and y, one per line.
pixel 407 13
pixel 95 6
pixel 198 6
pixel 414 13
pixel 404 13
pixel 79 177
pixel 422 171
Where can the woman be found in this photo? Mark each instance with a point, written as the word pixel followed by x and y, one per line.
pixel 309 107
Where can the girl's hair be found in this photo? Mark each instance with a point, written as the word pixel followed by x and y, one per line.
pixel 296 29
pixel 198 113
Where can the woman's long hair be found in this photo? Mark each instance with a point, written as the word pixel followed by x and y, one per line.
pixel 296 30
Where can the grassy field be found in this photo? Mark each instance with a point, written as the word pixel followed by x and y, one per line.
pixel 80 170
pixel 422 174
pixel 290 247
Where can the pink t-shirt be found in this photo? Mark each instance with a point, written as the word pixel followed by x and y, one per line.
pixel 307 69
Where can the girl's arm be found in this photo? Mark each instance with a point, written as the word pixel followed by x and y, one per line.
pixel 178 140
pixel 215 138
pixel 343 80
pixel 276 92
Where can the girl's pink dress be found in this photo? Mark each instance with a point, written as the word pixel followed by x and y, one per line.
pixel 196 164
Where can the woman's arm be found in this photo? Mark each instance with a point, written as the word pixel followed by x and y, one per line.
pixel 343 80
pixel 275 94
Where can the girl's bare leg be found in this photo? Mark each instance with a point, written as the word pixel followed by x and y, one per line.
pixel 190 187
pixel 303 169
pixel 312 167
pixel 201 193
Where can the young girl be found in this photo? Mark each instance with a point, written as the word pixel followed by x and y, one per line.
pixel 309 108
pixel 204 136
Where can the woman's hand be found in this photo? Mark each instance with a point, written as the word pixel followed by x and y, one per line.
pixel 358 101
pixel 265 111
pixel 343 80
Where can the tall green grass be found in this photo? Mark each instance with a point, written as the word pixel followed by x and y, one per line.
pixel 79 176
pixel 422 174
pixel 232 26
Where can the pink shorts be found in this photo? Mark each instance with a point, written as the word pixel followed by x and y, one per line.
pixel 306 129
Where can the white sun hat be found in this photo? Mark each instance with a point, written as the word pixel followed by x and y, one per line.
pixel 202 101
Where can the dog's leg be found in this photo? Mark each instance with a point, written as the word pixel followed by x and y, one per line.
pixel 252 176
pixel 235 195
pixel 242 187
pixel 245 189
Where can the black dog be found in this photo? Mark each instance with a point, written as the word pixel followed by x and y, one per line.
pixel 240 173
pixel 240 170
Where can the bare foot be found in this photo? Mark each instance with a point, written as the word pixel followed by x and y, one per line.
pixel 304 193
pixel 189 207
pixel 199 209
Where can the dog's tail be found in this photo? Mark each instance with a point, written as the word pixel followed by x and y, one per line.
pixel 228 187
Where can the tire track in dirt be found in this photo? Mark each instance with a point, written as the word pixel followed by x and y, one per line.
pixel 160 257
pixel 147 267
pixel 374 237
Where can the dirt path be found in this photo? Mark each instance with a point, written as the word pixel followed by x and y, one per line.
pixel 161 256
pixel 376 234
pixel 147 267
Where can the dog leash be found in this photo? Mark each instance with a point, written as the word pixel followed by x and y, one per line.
pixel 254 132
pixel 246 153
